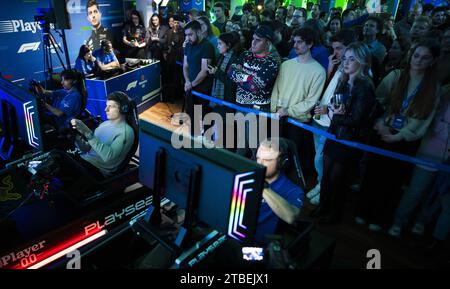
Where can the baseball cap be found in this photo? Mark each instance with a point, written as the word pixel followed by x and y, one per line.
pixel 264 31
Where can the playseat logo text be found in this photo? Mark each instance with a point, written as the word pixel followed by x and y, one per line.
pixel 119 215
pixel 11 26
pixel 202 255
pixel 26 256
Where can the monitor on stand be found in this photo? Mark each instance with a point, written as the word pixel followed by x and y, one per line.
pixel 216 187
pixel 19 117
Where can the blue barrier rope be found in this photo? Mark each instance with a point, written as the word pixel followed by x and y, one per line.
pixel 328 135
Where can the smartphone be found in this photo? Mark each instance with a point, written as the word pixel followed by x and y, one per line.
pixel 253 253
pixel 335 58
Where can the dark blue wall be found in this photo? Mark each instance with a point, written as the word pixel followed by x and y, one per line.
pixel 21 48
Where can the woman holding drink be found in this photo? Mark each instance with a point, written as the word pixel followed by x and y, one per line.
pixel 349 113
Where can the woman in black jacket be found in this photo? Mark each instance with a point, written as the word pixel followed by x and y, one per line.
pixel 350 120
pixel 223 87
pixel 155 37
pixel 173 87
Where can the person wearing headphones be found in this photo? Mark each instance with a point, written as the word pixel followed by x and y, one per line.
pixel 282 199
pixel 63 104
pixel 109 144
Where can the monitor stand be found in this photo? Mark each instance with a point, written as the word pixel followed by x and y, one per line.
pixel 9 137
pixel 150 226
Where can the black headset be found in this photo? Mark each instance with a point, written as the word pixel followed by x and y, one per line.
pixel 283 158
pixel 73 75
pixel 124 102
pixel 283 151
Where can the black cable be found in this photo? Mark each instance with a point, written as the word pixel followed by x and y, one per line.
pixel 170 110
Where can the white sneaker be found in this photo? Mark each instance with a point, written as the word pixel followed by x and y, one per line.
pixel 418 229
pixel 375 228
pixel 395 231
pixel 315 200
pixel 314 191
pixel 360 221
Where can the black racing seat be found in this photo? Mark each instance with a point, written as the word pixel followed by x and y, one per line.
pixel 125 175
pixel 293 169
pixel 294 173
pixel 133 121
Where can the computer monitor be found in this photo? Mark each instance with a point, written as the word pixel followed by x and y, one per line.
pixel 19 117
pixel 229 187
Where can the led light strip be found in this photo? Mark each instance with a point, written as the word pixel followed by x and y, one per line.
pixel 238 203
pixel 30 124
pixel 68 250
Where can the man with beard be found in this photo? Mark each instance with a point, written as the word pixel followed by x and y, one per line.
pixel 198 54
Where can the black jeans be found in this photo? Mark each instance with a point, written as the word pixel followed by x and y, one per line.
pixel 333 187
pixel 190 101
pixel 384 177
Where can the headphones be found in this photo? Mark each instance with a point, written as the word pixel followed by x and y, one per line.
pixel 124 102
pixel 73 75
pixel 283 158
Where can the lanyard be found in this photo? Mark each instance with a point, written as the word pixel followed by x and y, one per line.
pixel 408 99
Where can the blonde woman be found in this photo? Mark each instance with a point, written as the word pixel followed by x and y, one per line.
pixel 350 120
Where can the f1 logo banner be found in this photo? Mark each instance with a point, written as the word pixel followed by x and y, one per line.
pixel 21 37
pixel 187 5
pixel 33 46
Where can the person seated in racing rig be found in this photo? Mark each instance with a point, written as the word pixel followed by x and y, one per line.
pixel 63 104
pixel 108 146
pixel 282 199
